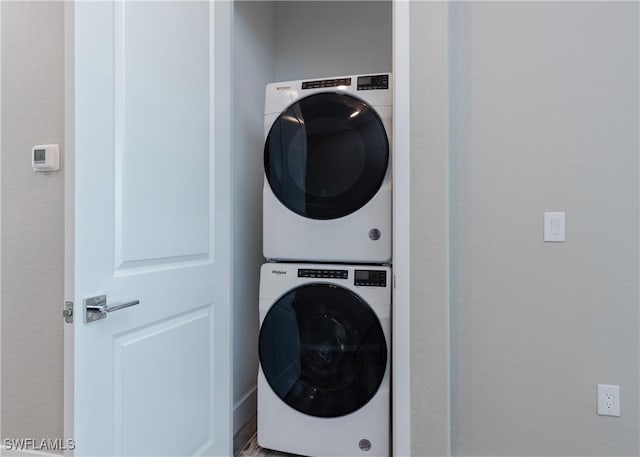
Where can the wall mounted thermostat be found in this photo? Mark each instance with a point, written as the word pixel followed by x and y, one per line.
pixel 45 157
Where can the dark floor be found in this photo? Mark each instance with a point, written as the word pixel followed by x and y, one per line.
pixel 252 449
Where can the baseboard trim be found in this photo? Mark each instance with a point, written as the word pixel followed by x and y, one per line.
pixel 244 409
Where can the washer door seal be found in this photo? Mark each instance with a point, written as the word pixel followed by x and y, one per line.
pixel 322 350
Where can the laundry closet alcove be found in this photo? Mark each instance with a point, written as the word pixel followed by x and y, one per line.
pixel 283 41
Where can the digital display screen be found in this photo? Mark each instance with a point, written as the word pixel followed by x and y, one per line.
pixel 373 82
pixel 362 275
pixel 39 155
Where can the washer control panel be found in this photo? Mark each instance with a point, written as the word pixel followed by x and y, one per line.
pixel 317 273
pixel 375 278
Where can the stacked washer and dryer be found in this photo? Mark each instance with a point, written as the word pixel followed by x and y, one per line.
pixel 325 293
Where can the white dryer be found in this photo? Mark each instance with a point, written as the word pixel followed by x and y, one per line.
pixel 327 187
pixel 324 347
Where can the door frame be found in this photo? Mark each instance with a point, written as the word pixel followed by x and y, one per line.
pixel 401 308
pixel 69 216
pixel 430 108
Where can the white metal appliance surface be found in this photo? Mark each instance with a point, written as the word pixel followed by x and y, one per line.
pixel 327 187
pixel 323 381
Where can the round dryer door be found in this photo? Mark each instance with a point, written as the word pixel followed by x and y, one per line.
pixel 326 155
pixel 322 350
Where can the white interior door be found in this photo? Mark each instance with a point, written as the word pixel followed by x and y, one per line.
pixel 152 223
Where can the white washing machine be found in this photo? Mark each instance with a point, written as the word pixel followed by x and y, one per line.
pixel 327 187
pixel 324 347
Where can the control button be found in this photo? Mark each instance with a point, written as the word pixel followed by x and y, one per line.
pixel 326 83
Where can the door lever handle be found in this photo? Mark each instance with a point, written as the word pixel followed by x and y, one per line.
pixel 95 308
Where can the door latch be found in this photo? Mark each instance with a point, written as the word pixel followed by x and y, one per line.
pixel 67 312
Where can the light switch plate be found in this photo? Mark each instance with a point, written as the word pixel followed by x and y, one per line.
pixel 554 225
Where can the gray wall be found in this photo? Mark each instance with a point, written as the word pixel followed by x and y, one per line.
pixel 332 38
pixel 254 55
pixel 544 117
pixel 32 221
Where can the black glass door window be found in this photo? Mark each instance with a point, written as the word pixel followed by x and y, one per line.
pixel 326 155
pixel 322 350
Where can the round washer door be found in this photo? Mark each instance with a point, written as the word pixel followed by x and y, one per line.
pixel 322 350
pixel 326 155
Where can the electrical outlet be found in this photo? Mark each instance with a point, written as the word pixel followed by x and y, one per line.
pixel 608 400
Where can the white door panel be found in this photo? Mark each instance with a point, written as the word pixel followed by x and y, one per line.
pixel 152 223
pixel 162 117
pixel 165 353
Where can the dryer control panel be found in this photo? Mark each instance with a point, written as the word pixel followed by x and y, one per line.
pixel 375 278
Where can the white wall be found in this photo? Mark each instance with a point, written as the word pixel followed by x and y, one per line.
pixel 544 101
pixel 332 38
pixel 32 221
